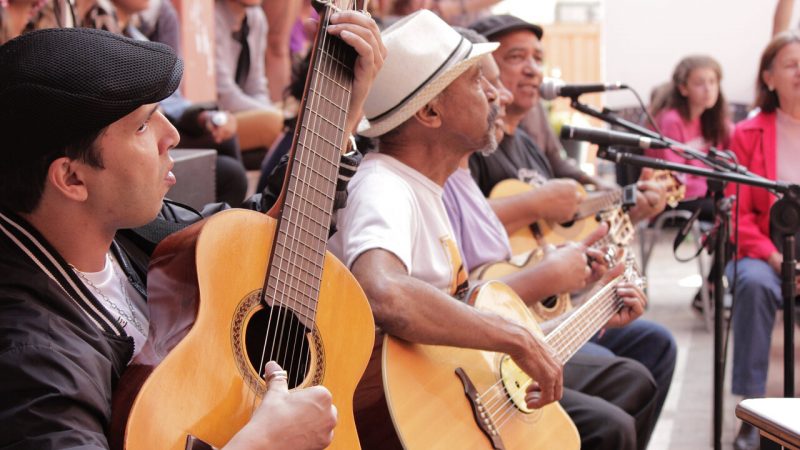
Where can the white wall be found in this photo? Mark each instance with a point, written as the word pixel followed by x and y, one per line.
pixel 644 40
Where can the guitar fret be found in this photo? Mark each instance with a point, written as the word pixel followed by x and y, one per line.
pixel 322 138
pixel 327 77
pixel 335 58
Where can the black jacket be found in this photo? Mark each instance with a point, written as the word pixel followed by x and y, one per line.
pixel 61 352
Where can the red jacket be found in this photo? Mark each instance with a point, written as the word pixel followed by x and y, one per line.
pixel 754 144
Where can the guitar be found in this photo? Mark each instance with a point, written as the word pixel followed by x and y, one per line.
pixel 446 398
pixel 620 235
pixel 231 292
pixel 586 220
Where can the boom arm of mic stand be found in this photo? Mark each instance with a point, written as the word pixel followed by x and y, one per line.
pixel 614 120
pixel 645 161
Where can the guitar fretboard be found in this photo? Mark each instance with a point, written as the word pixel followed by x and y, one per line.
pixel 298 251
pixel 576 330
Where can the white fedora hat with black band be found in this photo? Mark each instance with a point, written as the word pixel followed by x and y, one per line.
pixel 424 55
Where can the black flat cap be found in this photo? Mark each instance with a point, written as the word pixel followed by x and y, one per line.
pixel 60 85
pixel 491 27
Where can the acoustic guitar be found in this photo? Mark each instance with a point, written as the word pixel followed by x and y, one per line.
pixel 449 398
pixel 620 235
pixel 586 219
pixel 232 292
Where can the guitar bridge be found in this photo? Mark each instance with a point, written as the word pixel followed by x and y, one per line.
pixel 479 411
pixel 195 443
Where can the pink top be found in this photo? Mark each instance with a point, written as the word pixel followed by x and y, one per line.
pixel 673 126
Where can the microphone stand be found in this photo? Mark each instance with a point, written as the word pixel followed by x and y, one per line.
pixel 784 216
pixel 608 116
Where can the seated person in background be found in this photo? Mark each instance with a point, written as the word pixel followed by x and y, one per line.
pixel 200 125
pixel 394 233
pixel 240 30
pixel 767 144
pixel 695 113
pixel 606 417
pixel 518 157
pixel 66 197
pixel 537 126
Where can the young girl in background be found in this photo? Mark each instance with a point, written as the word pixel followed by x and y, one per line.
pixel 694 112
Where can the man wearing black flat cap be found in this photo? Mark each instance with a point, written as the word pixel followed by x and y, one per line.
pixel 86 155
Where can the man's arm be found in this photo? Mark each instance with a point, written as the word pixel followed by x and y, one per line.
pixel 782 17
pixel 556 200
pixel 413 310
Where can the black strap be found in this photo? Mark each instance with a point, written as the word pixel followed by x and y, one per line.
pixel 243 64
pixel 682 233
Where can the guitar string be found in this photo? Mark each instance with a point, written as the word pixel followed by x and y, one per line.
pixel 606 289
pixel 302 188
pixel 599 300
pixel 326 169
pixel 507 408
pixel 500 392
pixel 492 407
pixel 273 290
pixel 505 417
pixel 305 211
pixel 500 415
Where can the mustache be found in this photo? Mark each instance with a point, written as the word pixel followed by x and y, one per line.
pixel 494 111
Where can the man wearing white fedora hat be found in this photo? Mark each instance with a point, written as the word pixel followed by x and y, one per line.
pixel 395 235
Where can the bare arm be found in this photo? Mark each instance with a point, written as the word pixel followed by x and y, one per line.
pixel 281 15
pixel 556 200
pixel 413 310
pixel 783 14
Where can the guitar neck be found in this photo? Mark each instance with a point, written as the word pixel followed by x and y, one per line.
pixel 597 202
pixel 587 320
pixel 298 250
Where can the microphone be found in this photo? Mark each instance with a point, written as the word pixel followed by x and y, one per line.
pixel 553 87
pixel 603 137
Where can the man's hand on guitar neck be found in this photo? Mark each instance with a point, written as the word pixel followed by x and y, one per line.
pixel 634 299
pixel 297 420
pixel 360 32
pixel 651 197
pixel 560 198
pixel 577 264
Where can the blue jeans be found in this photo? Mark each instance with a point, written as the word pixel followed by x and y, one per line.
pixel 756 300
pixel 647 342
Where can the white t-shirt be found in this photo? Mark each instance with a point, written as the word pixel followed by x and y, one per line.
pixel 395 208
pixel 110 282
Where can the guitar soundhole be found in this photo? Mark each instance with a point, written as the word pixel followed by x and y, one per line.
pixel 278 335
pixel 550 302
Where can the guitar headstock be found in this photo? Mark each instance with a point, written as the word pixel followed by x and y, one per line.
pixel 675 188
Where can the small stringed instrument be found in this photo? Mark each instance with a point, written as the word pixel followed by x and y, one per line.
pixel 450 398
pixel 586 219
pixel 620 235
pixel 231 292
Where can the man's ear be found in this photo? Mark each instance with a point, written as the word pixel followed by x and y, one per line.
pixel 430 116
pixel 67 177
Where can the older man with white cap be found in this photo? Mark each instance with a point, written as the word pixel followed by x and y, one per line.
pixel 395 235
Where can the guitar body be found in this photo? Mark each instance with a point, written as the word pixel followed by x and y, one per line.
pixel 542 311
pixel 195 376
pixel 427 399
pixel 525 239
